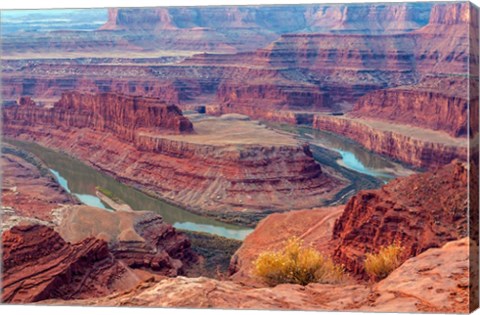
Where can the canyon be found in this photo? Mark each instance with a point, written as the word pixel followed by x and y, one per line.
pixel 327 60
pixel 141 240
pixel 242 172
pixel 230 114
pixel 118 237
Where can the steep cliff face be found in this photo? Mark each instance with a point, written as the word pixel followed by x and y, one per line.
pixel 38 264
pixel 146 19
pixel 434 103
pixel 356 18
pixel 420 211
pixel 120 114
pixel 452 13
pixel 28 190
pixel 441 45
pixel 415 146
pixel 246 168
pixel 263 100
pixel 426 49
pixel 371 18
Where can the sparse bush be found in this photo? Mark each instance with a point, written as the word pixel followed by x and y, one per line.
pixel 297 264
pixel 379 266
pixel 108 193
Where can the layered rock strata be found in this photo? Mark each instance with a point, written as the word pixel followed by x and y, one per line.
pixel 243 169
pixel 339 63
pixel 38 264
pixel 217 29
pixel 282 19
pixel 263 100
pixel 107 112
pixel 419 212
pixel 140 239
pixel 28 191
pixel 345 67
pixel 438 103
pixel 416 146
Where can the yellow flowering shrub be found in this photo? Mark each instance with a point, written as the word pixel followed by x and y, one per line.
pixel 379 266
pixel 297 264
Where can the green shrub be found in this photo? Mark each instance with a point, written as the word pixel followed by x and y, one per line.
pixel 379 266
pixel 297 264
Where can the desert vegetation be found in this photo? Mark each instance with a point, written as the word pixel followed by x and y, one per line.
pixel 379 266
pixel 297 264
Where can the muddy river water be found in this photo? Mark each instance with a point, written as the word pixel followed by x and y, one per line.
pixel 82 181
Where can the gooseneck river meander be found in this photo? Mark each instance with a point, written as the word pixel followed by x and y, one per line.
pixel 83 181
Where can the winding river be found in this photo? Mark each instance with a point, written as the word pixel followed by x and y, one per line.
pixel 351 154
pixel 82 181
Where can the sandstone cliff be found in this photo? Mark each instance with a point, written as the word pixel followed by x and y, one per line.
pixel 249 98
pixel 416 146
pixel 420 211
pixel 218 29
pixel 353 18
pixel 243 170
pixel 29 192
pixel 38 264
pixel 107 112
pixel 438 103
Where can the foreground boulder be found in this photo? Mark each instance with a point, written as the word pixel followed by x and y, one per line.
pixel 38 264
pixel 140 239
pixel 437 280
pixel 434 282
